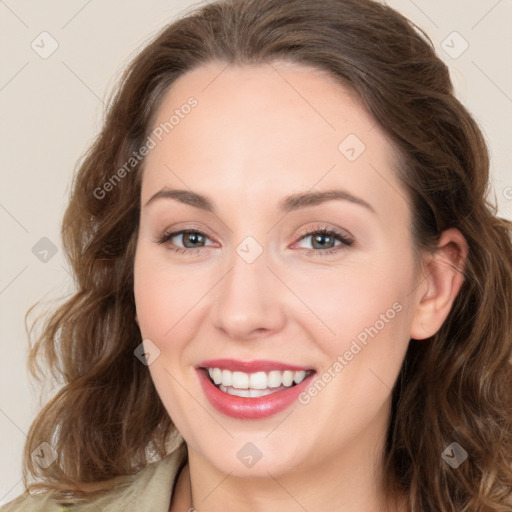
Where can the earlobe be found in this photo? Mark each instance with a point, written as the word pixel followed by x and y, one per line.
pixel 444 278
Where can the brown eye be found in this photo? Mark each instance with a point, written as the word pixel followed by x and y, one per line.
pixel 192 239
pixel 322 241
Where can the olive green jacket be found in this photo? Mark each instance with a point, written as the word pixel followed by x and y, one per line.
pixel 149 490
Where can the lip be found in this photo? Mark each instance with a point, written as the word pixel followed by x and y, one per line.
pixel 234 365
pixel 251 408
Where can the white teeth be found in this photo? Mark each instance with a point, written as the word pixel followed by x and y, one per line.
pixel 299 376
pixel 252 393
pixel 274 379
pixel 240 380
pixel 287 378
pixel 227 378
pixel 258 380
pixel 237 392
pixel 256 393
pixel 254 384
pixel 217 375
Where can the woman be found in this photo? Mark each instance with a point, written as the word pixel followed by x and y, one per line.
pixel 292 293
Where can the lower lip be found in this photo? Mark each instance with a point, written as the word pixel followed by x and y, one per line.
pixel 250 408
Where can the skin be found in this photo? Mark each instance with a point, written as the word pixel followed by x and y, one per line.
pixel 259 134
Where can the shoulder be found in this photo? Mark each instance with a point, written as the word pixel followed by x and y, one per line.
pixel 27 503
pixel 150 490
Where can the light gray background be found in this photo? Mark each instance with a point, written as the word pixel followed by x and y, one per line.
pixel 52 107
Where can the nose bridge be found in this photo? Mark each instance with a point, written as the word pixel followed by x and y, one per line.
pixel 247 298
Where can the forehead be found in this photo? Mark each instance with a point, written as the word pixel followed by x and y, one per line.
pixel 265 129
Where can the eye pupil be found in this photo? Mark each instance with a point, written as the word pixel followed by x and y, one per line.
pixel 193 238
pixel 317 239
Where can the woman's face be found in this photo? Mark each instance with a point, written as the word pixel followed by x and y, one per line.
pixel 297 268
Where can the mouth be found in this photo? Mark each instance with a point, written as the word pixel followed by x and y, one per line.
pixel 252 390
pixel 254 385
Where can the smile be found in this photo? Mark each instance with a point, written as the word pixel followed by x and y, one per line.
pixel 252 390
pixel 257 384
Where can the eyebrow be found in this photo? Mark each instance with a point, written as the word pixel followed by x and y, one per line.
pixel 288 204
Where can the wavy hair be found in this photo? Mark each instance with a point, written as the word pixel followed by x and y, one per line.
pixel 107 420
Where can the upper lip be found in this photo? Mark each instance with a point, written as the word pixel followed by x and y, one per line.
pixel 235 365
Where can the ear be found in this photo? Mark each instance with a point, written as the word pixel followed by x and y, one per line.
pixel 442 282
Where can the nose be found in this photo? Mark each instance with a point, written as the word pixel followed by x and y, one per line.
pixel 248 303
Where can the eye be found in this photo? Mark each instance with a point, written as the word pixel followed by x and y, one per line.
pixel 184 240
pixel 323 241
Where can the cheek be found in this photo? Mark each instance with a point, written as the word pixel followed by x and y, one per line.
pixel 159 295
pixel 164 298
pixel 369 311
pixel 170 306
pixel 346 304
pixel 366 314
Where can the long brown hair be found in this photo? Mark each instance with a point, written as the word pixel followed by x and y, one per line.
pixel 107 419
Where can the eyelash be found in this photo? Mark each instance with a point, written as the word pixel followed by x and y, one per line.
pixel 345 240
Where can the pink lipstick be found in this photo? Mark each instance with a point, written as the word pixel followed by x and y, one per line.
pixel 252 389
